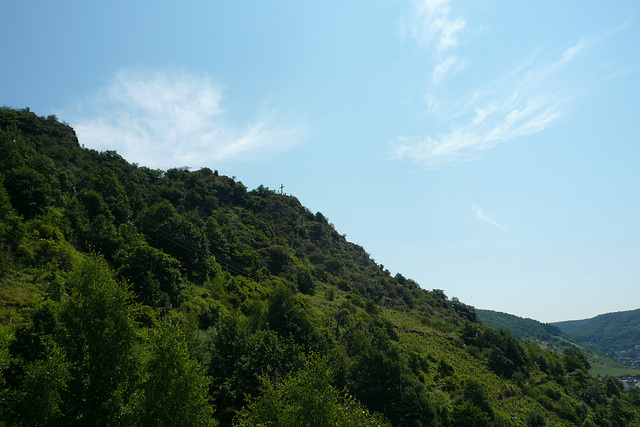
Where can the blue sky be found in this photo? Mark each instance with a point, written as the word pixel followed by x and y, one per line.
pixel 486 148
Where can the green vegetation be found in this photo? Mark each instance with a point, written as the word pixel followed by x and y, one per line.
pixel 525 329
pixel 134 296
pixel 618 370
pixel 616 334
pixel 552 338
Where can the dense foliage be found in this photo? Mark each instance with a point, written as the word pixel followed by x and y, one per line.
pixel 617 334
pixel 522 328
pixel 134 296
pixel 552 338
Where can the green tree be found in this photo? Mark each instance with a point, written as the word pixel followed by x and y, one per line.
pixel 277 259
pixel 11 228
pixel 99 336
pixel 174 392
pixel 287 316
pixel 102 237
pixel 613 386
pixel 37 373
pixel 239 359
pixel 38 399
pixel 114 194
pixel 380 377
pixel 573 360
pixel 472 407
pixel 154 275
pixel 306 398
pixel 94 204
pixel 536 419
pixel 29 191
pixel 173 233
pixel 305 281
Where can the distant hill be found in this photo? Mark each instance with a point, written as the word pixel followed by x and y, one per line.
pixel 568 326
pixel 529 330
pixel 617 334
pixel 551 337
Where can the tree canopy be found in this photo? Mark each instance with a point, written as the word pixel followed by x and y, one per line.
pixel 134 296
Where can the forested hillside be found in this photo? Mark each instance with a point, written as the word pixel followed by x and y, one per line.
pixel 617 334
pixel 134 296
pixel 552 338
pixel 524 329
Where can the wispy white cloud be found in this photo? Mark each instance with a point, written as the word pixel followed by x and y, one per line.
pixel 524 101
pixel 491 123
pixel 433 26
pixel 482 217
pixel 574 50
pixel 446 69
pixel 437 31
pixel 172 118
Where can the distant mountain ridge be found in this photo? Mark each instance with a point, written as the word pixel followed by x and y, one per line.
pixel 526 329
pixel 550 336
pixel 568 326
pixel 617 334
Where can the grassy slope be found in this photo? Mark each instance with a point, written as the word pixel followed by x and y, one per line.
pixel 507 397
pixel 18 291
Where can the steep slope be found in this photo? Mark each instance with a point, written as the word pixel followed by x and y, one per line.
pixel 568 326
pixel 134 296
pixel 617 334
pixel 552 338
pixel 525 329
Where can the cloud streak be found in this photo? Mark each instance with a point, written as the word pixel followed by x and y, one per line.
pixel 437 31
pixel 432 25
pixel 523 102
pixel 173 118
pixel 491 124
pixel 482 217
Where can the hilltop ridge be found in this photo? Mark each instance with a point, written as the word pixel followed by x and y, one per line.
pixel 263 313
